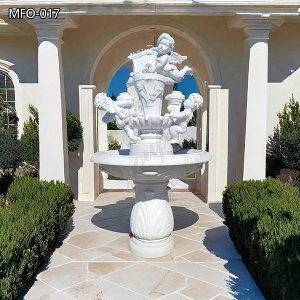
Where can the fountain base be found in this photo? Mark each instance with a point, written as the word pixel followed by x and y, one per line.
pixel 151 220
pixel 151 248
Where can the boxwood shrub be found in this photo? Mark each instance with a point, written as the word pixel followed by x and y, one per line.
pixel 263 218
pixel 32 220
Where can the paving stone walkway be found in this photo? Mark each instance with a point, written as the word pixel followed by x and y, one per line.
pixel 94 261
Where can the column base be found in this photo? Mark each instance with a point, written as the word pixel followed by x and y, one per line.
pixel 151 248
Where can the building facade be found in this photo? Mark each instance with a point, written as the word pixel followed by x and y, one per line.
pixel 245 56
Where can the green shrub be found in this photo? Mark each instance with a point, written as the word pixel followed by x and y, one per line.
pixel 75 132
pixel 112 125
pixel 193 120
pixel 30 226
pixel 6 178
pixel 10 149
pixel 189 144
pixel 263 218
pixel 30 138
pixel 283 147
pixel 26 169
pixel 113 144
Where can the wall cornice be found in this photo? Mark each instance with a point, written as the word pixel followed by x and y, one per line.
pixel 290 9
pixel 155 2
pixel 158 4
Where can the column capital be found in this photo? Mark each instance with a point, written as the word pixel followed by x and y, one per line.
pixel 52 29
pixel 214 87
pixel 256 27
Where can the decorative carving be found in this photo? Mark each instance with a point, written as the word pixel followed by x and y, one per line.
pixel 121 109
pixel 150 92
pixel 167 58
pixel 180 118
pixel 153 69
pixel 152 220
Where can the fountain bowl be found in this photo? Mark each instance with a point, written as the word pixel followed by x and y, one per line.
pixel 150 167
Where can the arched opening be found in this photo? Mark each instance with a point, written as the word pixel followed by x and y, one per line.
pixel 11 91
pixel 114 56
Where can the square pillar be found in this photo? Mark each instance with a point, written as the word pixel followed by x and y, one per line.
pixel 218 142
pixel 89 183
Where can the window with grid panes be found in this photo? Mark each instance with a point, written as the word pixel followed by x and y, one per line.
pixel 7 92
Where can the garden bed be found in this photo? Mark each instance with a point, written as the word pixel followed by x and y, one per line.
pixel 263 218
pixel 33 216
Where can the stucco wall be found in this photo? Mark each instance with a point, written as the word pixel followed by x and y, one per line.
pixel 22 52
pixel 222 46
pixel 284 72
pixel 217 60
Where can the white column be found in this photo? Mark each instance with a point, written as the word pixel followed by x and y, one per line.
pixel 89 184
pixel 254 162
pixel 201 137
pixel 52 110
pixel 218 142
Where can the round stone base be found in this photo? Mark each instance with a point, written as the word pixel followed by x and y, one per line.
pixel 151 249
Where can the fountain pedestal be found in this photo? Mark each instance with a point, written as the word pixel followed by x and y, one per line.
pixel 151 220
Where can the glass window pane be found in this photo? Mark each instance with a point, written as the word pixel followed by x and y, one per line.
pixel 2 93
pixel 2 80
pixel 9 83
pixel 10 95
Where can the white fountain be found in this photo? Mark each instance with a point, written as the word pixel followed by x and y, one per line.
pixel 151 161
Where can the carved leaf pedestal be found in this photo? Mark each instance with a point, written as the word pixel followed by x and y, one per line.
pixel 151 220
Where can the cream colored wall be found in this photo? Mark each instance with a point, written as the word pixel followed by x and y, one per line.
pixel 278 95
pixel 221 45
pixel 214 50
pixel 29 93
pixel 22 52
pixel 284 71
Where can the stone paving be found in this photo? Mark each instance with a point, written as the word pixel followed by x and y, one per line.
pixel 94 261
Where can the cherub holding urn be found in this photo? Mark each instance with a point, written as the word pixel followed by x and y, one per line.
pixel 167 58
pixel 180 118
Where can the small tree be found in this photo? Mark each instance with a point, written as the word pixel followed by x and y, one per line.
pixel 283 147
pixel 30 137
pixel 75 132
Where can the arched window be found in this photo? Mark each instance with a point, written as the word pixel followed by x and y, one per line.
pixel 7 98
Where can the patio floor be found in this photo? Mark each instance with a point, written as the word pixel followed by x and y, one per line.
pixel 94 261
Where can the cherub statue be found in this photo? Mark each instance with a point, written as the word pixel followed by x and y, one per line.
pixel 121 110
pixel 167 58
pixel 181 118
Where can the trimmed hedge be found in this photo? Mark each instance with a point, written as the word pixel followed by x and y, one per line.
pixel 30 226
pixel 263 218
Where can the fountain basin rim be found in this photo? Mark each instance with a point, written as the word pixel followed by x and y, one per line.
pixel 122 158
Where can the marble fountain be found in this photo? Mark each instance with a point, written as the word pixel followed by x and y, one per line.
pixel 150 160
